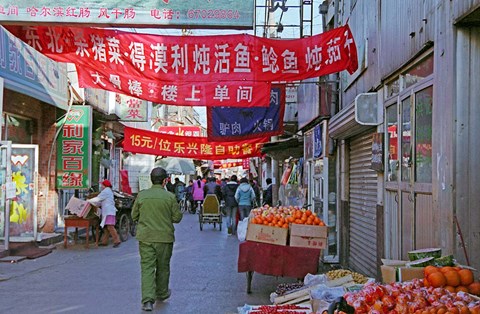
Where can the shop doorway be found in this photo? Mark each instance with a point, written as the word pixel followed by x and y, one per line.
pixel 408 199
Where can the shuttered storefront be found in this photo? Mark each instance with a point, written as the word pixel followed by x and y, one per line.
pixel 362 200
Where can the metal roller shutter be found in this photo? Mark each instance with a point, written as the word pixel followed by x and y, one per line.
pixel 362 200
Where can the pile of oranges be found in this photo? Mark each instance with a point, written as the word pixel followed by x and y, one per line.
pixel 282 220
pixel 453 279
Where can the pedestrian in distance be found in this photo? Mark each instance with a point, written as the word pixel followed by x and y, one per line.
pixel 212 187
pixel 155 210
pixel 106 202
pixel 231 205
pixel 256 189
pixel 179 188
pixel 190 196
pixel 198 192
pixel 169 186
pixel 245 197
pixel 268 194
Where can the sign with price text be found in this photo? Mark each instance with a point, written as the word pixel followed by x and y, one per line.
pixel 159 144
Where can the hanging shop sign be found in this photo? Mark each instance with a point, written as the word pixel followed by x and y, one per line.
pixel 192 59
pixel 227 14
pixel 317 141
pixel 230 124
pixel 182 130
pixel 208 94
pixel 154 143
pixel 74 149
pixel 130 109
pixel 28 72
pixel 377 152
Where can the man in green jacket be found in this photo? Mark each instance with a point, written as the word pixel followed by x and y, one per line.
pixel 155 210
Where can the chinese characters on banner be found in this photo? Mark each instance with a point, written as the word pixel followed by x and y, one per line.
pixel 74 150
pixel 211 94
pixel 192 59
pixel 225 14
pixel 154 143
pixel 130 109
pixel 230 124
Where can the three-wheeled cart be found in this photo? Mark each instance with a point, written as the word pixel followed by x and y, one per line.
pixel 124 223
pixel 123 218
pixel 210 212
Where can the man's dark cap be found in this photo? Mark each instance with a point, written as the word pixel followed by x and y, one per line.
pixel 158 172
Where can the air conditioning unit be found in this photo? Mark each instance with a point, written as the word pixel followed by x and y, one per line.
pixel 367 109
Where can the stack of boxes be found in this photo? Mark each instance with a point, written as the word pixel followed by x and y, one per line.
pixel 298 235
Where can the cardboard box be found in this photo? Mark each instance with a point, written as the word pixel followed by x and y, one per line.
pixel 309 230
pixel 308 236
pixel 393 273
pixel 78 207
pixel 267 234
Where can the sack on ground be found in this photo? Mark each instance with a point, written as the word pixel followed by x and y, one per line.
pixel 242 229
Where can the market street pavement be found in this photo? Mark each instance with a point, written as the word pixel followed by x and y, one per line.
pixel 204 278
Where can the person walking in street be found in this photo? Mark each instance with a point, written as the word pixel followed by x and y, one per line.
pixel 106 202
pixel 155 210
pixel 198 192
pixel 189 196
pixel 267 194
pixel 231 205
pixel 256 189
pixel 245 197
pixel 212 187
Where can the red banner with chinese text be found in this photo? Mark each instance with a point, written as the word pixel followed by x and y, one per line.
pixel 208 94
pixel 155 143
pixel 194 58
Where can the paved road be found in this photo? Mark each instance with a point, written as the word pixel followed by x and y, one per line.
pixel 204 278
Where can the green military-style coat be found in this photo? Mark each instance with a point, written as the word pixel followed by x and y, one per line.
pixel 156 210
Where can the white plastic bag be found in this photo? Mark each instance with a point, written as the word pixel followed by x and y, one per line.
pixel 242 229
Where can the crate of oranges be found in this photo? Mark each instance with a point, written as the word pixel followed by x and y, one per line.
pixel 453 279
pixel 306 229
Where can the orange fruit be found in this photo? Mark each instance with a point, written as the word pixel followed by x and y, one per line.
pixel 444 269
pixel 474 288
pixel 429 270
pixel 437 280
pixel 453 278
pixel 450 288
pixel 461 288
pixel 308 212
pixel 426 283
pixel 466 276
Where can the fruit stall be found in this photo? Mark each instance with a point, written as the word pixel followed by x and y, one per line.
pixel 428 282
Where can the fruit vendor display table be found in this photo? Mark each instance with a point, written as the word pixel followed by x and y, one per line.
pixel 77 222
pixel 276 260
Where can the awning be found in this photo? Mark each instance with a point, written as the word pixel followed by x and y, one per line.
pixel 284 149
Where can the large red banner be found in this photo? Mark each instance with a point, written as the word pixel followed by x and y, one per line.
pixel 195 58
pixel 154 143
pixel 208 94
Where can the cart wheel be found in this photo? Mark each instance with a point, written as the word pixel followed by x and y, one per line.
pixel 133 228
pixel 123 227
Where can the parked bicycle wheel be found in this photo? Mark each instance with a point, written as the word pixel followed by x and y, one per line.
pixel 183 205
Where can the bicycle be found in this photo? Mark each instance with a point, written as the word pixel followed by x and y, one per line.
pixel 184 204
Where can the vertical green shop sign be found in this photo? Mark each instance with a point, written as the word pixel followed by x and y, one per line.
pixel 74 149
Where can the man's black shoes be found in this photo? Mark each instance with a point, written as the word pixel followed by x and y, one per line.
pixel 147 306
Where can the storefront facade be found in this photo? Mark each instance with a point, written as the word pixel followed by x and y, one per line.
pixel 34 93
pixel 421 192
